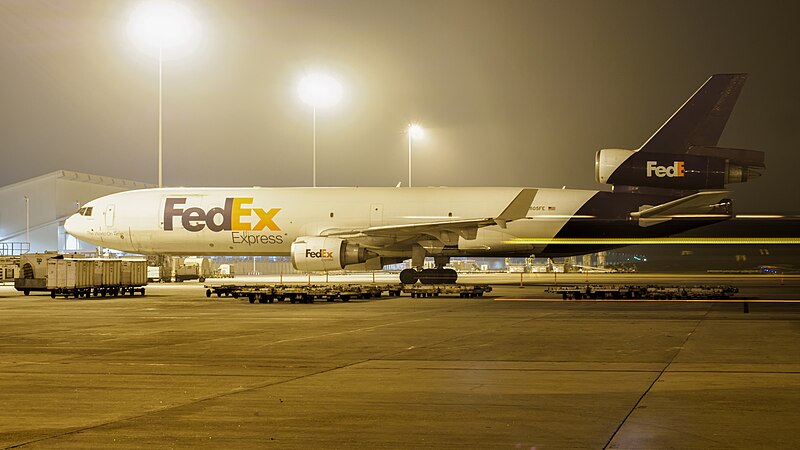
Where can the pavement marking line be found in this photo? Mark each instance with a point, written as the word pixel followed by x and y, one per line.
pixel 658 377
pixel 528 319
pixel 191 402
pixel 234 391
pixel 374 327
pixel 512 299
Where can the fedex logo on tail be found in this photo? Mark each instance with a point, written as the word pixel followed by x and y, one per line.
pixel 675 170
pixel 234 216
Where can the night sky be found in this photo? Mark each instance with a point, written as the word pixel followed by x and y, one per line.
pixel 511 93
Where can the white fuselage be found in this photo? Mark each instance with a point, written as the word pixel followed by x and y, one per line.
pixel 265 221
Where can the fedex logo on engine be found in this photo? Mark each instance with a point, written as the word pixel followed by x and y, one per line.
pixel 234 216
pixel 675 170
pixel 321 253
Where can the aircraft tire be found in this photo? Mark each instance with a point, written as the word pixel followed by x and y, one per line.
pixel 429 276
pixel 409 276
pixel 438 276
pixel 449 276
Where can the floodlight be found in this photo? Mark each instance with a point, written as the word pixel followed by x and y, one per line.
pixel 319 90
pixel 416 131
pixel 162 26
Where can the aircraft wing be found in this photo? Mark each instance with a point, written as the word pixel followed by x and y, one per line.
pixel 447 231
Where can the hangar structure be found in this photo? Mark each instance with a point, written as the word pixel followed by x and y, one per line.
pixel 33 211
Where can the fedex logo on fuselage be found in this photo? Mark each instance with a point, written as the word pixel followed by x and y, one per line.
pixel 675 170
pixel 232 217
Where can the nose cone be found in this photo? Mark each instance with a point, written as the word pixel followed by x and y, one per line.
pixel 73 225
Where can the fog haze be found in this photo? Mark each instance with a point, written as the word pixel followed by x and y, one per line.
pixel 511 93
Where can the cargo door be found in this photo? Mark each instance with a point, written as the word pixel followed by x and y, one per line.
pixel 110 216
pixel 376 214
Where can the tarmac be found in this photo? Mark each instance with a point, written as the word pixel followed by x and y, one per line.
pixel 515 369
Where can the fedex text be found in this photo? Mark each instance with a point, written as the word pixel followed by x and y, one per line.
pixel 677 169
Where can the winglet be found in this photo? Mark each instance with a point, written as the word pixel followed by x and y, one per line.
pixel 518 208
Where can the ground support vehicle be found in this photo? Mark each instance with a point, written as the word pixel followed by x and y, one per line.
pixel 223 290
pixel 32 275
pixel 81 277
pixel 647 292
pixel 302 293
pixel 265 294
pixel 436 290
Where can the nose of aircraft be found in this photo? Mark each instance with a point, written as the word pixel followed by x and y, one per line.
pixel 72 225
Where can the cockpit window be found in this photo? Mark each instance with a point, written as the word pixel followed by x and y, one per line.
pixel 86 211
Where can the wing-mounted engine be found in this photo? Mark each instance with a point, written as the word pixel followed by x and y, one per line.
pixel 316 253
pixel 699 168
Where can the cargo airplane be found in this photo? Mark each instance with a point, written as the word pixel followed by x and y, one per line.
pixel 673 183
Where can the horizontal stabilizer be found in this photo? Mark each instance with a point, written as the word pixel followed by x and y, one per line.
pixel 708 204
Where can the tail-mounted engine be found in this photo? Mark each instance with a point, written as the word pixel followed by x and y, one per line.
pixel 699 168
pixel 314 253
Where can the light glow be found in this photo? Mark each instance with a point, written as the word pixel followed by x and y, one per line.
pixel 157 26
pixel 416 131
pixel 319 90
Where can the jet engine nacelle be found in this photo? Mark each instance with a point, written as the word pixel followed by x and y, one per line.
pixel 315 253
pixel 682 171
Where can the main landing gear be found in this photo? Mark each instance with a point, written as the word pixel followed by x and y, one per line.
pixel 428 276
pixel 439 275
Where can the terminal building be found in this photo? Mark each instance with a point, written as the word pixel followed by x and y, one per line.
pixel 33 211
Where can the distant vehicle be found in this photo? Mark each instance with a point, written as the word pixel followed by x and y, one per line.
pixel 193 268
pixel 224 271
pixel 669 185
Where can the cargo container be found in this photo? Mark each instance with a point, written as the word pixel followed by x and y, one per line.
pixel 134 275
pixel 106 277
pixel 70 276
pixel 73 275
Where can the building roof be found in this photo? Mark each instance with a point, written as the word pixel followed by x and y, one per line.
pixel 84 178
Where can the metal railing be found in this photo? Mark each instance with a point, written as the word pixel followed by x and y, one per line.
pixel 14 248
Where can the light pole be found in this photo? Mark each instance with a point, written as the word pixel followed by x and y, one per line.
pixel 318 90
pixel 28 222
pixel 162 25
pixel 415 131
